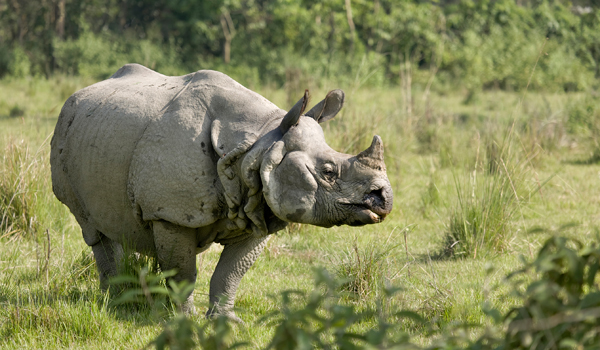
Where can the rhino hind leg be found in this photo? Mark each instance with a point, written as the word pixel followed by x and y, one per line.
pixel 235 260
pixel 108 253
pixel 176 249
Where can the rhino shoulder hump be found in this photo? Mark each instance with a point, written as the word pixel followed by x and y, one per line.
pixel 134 69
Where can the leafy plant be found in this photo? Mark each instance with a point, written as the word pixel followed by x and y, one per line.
pixel 16 111
pixel 315 320
pixel 180 331
pixel 561 307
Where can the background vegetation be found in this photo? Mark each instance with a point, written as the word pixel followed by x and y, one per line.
pixel 490 117
pixel 489 44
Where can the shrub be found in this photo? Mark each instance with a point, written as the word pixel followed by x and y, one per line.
pixel 561 307
pixel 583 121
pixel 16 111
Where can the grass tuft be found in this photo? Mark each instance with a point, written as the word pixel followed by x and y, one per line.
pixel 364 270
pixel 19 183
pixel 485 204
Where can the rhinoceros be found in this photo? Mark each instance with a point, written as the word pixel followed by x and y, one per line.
pixel 167 166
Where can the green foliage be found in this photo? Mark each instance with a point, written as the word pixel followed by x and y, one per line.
pixel 16 111
pixel 144 287
pixel 561 307
pixel 180 331
pixel 316 320
pixel 558 295
pixel 477 44
pixel 583 120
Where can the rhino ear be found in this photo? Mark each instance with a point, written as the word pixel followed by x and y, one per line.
pixel 292 117
pixel 329 107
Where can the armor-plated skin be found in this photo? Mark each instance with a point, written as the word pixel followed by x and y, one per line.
pixel 166 166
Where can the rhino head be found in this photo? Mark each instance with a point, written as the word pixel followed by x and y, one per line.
pixel 306 181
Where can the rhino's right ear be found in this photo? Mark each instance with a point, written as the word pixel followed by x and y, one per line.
pixel 329 107
pixel 292 117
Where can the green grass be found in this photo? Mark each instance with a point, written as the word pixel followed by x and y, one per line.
pixel 49 295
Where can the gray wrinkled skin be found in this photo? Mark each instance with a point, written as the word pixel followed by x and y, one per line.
pixel 166 166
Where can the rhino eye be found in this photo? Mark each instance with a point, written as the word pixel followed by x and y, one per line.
pixel 329 171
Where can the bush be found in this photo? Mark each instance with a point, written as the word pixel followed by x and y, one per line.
pixel 100 56
pixel 561 307
pixel 469 44
pixel 583 120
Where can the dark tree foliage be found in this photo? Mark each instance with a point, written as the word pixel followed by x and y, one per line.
pixel 477 43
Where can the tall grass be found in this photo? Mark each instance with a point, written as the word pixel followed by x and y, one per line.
pixel 486 201
pixel 28 207
pixel 362 271
pixel 20 182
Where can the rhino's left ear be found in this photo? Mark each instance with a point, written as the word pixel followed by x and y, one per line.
pixel 292 117
pixel 329 107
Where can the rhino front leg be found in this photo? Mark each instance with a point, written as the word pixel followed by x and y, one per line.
pixel 235 260
pixel 108 254
pixel 176 249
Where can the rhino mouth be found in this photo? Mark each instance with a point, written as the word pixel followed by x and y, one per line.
pixel 363 214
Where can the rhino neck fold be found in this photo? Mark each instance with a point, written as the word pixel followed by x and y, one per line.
pixel 239 173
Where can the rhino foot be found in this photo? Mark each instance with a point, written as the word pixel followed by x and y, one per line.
pixel 213 313
pixel 188 307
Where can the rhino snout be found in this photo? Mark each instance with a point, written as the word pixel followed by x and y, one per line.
pixel 379 201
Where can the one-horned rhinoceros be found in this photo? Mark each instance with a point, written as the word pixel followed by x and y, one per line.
pixel 167 166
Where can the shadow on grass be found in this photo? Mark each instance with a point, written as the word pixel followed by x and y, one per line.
pixel 29 304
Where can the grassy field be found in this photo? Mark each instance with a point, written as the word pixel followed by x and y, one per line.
pixel 508 162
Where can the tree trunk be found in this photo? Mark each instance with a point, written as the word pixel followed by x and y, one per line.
pixel 228 33
pixel 60 21
pixel 350 24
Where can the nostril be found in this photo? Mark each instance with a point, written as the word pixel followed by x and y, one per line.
pixel 375 198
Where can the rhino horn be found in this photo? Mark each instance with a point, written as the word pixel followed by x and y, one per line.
pixel 373 156
pixel 292 117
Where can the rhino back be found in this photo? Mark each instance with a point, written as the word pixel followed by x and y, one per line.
pixel 93 145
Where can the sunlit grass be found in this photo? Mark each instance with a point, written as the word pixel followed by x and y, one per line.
pixel 49 296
